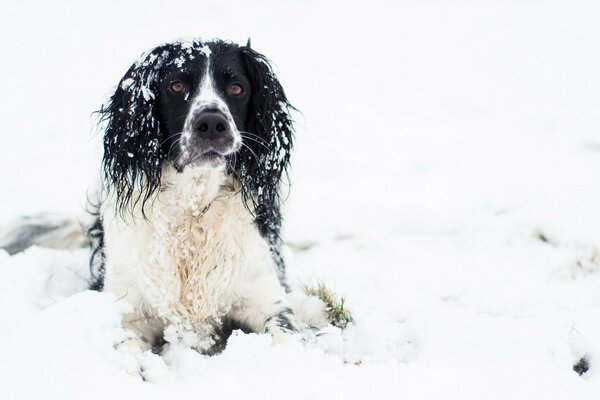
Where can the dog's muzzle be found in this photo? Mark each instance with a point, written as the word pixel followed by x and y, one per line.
pixel 210 136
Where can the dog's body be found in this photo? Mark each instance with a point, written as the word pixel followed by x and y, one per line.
pixel 196 262
pixel 197 137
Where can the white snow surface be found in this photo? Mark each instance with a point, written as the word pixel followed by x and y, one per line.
pixel 437 141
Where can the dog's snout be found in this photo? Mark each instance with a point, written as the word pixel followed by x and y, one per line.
pixel 211 125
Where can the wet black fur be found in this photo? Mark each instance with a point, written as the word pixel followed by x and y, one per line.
pixel 95 235
pixel 136 143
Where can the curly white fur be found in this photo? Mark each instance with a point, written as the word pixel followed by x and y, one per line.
pixel 194 260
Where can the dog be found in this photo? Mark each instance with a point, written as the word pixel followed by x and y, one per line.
pixel 197 138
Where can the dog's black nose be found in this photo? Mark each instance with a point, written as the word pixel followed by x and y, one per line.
pixel 211 125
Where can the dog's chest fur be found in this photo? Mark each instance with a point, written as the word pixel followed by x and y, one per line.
pixel 186 262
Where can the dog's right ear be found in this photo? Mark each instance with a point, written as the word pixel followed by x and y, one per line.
pixel 132 138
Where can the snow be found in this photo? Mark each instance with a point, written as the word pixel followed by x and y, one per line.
pixel 439 141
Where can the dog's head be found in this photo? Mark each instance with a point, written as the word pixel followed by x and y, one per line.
pixel 197 103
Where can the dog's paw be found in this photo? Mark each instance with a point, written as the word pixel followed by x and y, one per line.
pixel 307 336
pixel 154 369
pixel 328 339
pixel 281 336
pixel 132 351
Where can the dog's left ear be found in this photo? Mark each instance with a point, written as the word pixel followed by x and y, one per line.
pixel 266 155
pixel 269 117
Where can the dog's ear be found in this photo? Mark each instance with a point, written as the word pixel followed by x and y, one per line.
pixel 248 44
pixel 266 156
pixel 269 117
pixel 132 138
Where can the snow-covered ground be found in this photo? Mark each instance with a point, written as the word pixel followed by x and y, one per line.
pixel 439 142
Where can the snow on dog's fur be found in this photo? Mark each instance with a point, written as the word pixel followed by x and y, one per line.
pixel 197 259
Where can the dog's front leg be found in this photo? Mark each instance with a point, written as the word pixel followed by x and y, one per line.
pixel 147 332
pixel 263 306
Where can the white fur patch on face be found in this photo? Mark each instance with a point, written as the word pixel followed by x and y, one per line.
pixel 208 98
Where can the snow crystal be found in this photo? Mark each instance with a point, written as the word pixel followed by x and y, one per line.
pixel 147 93
pixel 127 83
pixel 205 50
pixel 179 61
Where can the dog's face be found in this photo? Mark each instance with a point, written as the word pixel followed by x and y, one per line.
pixel 203 105
pixel 192 103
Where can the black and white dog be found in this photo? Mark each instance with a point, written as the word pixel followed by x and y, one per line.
pixel 197 138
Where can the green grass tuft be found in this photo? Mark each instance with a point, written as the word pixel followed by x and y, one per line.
pixel 336 310
pixel 582 366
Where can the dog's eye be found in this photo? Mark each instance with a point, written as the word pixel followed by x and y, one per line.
pixel 177 87
pixel 235 89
